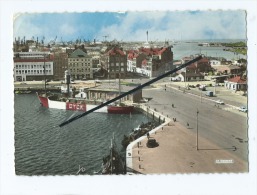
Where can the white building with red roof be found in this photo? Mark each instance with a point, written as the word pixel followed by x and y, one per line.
pixel 150 62
pixel 236 84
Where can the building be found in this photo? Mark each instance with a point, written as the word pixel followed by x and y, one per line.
pixel 228 69
pixel 80 65
pixel 236 84
pixel 29 66
pixel 150 62
pixel 132 60
pixel 60 65
pixel 116 62
pixel 107 92
pixel 190 76
pixel 159 60
pixel 214 63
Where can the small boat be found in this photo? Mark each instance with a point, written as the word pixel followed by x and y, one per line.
pixel 117 109
pixel 113 163
pixel 140 131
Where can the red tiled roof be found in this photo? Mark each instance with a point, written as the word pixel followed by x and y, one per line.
pixel 237 79
pixel 192 66
pixel 152 51
pixel 203 60
pixel 132 54
pixel 115 51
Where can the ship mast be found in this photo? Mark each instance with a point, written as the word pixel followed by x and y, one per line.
pixel 45 71
pixel 67 81
pixel 111 157
pixel 119 90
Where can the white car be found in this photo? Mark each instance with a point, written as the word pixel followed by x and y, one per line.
pixel 243 109
pixel 219 102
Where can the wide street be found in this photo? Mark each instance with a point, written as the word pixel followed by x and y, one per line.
pixel 222 125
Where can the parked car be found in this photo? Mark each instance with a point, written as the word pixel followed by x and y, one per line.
pixel 151 143
pixel 209 93
pixel 243 109
pixel 219 102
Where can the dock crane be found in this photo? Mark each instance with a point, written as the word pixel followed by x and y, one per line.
pixel 52 42
pixel 105 36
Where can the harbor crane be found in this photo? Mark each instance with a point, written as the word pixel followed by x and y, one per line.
pixel 52 42
pixel 105 36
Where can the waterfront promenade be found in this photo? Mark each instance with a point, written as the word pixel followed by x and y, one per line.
pixel 177 153
pixel 222 144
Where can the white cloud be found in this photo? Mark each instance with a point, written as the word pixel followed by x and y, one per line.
pixel 177 25
pixel 67 29
pixel 133 26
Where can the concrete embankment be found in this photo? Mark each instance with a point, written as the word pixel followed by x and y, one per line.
pixel 149 112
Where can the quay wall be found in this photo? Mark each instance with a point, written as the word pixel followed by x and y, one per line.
pixel 35 89
pixel 150 112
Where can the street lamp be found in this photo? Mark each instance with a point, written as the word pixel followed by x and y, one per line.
pixel 185 76
pixel 197 112
pixel 215 87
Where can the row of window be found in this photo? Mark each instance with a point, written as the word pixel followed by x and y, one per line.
pixel 115 70
pixel 82 64
pixel 117 64
pixel 32 66
pixel 82 59
pixel 33 72
pixel 74 69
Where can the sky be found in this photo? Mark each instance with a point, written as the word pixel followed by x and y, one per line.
pixel 132 26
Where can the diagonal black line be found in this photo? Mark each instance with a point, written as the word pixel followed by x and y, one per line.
pixel 131 91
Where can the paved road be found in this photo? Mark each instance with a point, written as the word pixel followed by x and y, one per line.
pixel 220 126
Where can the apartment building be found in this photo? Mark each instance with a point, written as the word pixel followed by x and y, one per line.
pixel 80 65
pixel 150 62
pixel 116 62
pixel 60 65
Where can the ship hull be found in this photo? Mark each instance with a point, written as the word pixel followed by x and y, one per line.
pixel 120 109
pixel 55 104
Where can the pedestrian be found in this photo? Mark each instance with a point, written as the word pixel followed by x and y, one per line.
pixel 172 105
pixel 187 124
pixel 148 135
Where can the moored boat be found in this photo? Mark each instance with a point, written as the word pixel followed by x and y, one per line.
pixel 113 163
pixel 65 102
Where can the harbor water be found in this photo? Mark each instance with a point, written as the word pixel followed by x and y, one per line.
pixel 184 49
pixel 43 148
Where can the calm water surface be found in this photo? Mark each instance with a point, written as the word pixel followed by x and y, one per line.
pixel 43 148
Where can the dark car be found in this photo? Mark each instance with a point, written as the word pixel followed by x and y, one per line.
pixel 151 143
